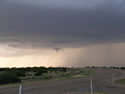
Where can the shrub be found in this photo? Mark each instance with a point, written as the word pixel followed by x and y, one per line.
pixel 9 77
pixel 38 74
pixel 20 73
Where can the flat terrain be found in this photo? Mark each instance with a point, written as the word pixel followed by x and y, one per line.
pixel 102 82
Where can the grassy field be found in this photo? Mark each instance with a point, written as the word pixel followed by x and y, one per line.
pixel 29 75
pixel 57 75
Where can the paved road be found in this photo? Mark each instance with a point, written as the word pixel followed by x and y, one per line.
pixel 102 83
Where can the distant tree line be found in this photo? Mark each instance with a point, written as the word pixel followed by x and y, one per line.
pixel 123 68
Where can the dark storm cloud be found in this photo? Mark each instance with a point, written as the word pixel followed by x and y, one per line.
pixel 25 25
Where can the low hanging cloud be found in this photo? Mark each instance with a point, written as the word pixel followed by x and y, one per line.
pixel 34 25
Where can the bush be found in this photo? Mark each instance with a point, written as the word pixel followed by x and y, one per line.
pixel 20 73
pixel 38 74
pixel 123 68
pixel 9 77
pixel 39 70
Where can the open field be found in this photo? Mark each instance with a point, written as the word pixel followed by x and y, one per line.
pixel 69 74
pixel 21 75
pixel 102 84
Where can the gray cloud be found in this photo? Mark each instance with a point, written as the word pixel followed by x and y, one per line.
pixel 23 25
pixel 69 4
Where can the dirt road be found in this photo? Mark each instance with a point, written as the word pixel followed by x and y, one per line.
pixel 102 82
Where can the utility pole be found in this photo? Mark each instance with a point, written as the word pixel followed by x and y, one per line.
pixel 20 89
pixel 100 70
pixel 91 86
pixel 113 79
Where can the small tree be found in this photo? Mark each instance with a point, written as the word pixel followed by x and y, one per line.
pixel 9 77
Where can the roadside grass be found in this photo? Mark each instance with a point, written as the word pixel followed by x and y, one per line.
pixel 121 81
pixel 70 74
pixel 73 73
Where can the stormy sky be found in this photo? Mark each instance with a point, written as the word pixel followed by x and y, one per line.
pixel 62 33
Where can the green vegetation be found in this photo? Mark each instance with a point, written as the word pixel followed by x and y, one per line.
pixel 105 67
pixel 121 81
pixel 9 77
pixel 60 74
pixel 123 68
pixel 17 75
